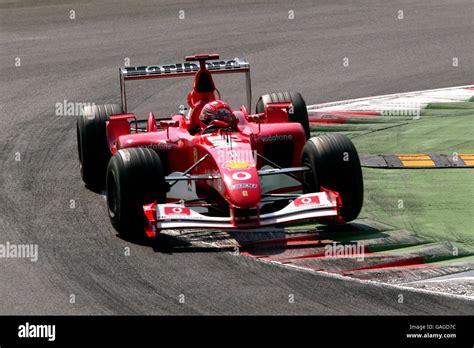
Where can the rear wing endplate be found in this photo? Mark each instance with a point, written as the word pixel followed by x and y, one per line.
pixel 219 66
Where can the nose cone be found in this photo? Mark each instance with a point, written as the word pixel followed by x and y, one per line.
pixel 243 187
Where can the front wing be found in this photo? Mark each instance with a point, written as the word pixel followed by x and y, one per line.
pixel 309 206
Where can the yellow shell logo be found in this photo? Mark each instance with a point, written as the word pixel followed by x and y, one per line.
pixel 237 165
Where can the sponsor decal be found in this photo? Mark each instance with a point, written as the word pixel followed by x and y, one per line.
pixel 234 165
pixel 125 154
pixel 177 211
pixel 306 201
pixel 245 193
pixel 243 186
pixel 195 154
pixel 180 67
pixel 276 138
pixel 159 146
pixel 241 176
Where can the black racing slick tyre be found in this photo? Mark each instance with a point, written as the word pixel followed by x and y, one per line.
pixel 93 151
pixel 135 177
pixel 334 165
pixel 299 113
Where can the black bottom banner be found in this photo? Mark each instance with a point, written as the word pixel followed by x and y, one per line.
pixel 39 331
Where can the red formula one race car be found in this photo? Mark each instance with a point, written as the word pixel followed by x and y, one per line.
pixel 215 167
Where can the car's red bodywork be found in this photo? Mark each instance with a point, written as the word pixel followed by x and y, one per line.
pixel 228 172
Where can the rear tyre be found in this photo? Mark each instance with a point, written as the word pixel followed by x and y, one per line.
pixel 135 177
pixel 93 151
pixel 300 112
pixel 334 165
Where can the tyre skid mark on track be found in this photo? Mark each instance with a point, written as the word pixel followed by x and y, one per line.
pixel 410 262
pixel 389 255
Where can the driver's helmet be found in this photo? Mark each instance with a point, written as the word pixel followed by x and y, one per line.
pixel 217 110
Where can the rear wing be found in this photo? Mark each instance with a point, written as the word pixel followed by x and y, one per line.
pixel 218 66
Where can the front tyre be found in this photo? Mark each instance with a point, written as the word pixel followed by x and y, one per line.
pixel 135 177
pixel 334 165
pixel 299 112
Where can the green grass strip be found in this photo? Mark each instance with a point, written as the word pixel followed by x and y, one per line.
pixel 452 105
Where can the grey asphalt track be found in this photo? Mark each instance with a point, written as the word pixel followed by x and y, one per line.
pixel 77 60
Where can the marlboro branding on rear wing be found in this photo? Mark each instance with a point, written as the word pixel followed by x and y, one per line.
pixel 219 66
pixel 183 69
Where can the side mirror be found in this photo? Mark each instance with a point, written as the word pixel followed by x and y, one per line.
pixel 257 118
pixel 278 112
pixel 167 124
